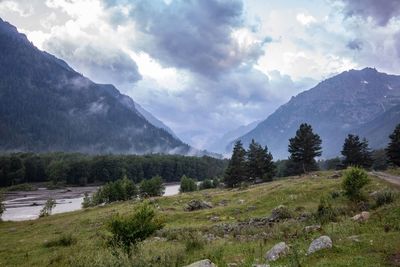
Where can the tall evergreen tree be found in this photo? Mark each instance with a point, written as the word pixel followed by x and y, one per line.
pixel 393 149
pixel 356 152
pixel 259 162
pixel 304 147
pixel 236 171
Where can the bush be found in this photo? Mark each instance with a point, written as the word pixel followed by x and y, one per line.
pixel 2 207
pixel 325 212
pixel 208 184
pixel 193 241
pixel 21 187
pixel 385 197
pixel 187 184
pixel 128 231
pixel 120 190
pixel 354 180
pixel 65 240
pixel 152 187
pixel 48 208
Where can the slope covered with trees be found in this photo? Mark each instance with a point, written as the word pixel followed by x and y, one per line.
pixel 47 106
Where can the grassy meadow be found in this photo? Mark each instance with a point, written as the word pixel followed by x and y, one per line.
pixel 80 238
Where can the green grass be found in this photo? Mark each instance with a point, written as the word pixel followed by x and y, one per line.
pixel 180 242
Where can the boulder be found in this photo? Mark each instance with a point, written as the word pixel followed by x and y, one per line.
pixel 197 205
pixel 280 213
pixel 322 242
pixel 202 263
pixel 277 251
pixel 362 217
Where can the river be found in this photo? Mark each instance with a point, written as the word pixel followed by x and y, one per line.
pixel 26 205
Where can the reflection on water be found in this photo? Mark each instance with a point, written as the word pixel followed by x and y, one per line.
pixel 21 206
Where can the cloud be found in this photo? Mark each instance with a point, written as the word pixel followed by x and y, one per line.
pixel 102 63
pixel 355 44
pixel 205 37
pixel 380 11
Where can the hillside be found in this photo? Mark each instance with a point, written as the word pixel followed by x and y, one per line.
pixel 47 106
pixel 355 101
pixel 233 231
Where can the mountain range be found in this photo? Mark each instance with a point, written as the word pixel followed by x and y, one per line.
pixel 364 102
pixel 45 105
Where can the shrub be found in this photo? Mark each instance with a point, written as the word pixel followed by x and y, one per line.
pixel 354 180
pixel 385 197
pixel 193 241
pixel 48 208
pixel 152 187
pixel 206 184
pixel 120 190
pixel 22 187
pixel 87 201
pixel 325 212
pixel 2 207
pixel 187 184
pixel 128 231
pixel 64 240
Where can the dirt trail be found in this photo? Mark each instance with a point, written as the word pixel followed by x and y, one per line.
pixel 393 179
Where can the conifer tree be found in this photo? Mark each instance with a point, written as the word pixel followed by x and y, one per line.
pixel 356 152
pixel 393 149
pixel 304 147
pixel 259 162
pixel 236 172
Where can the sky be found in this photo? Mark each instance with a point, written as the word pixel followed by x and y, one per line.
pixel 205 67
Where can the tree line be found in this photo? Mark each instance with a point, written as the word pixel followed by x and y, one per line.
pixel 82 169
pixel 304 148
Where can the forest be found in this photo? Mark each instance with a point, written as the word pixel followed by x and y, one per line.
pixel 82 169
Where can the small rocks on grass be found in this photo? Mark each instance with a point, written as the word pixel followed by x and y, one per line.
pixel 197 205
pixel 279 213
pixel 362 217
pixel 312 228
pixel 214 218
pixel 354 238
pixel 277 251
pixel 335 175
pixel 241 201
pixel 323 242
pixel 202 263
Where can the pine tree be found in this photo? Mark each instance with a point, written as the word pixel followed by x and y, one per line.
pixel 236 171
pixel 304 147
pixel 356 152
pixel 259 162
pixel 393 149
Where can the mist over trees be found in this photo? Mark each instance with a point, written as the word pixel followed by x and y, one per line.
pixel 81 169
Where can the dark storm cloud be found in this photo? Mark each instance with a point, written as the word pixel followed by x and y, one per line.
pixel 355 44
pixel 102 64
pixel 194 35
pixel 381 11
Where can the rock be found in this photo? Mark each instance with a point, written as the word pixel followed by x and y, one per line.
pixel 279 213
pixel 241 201
pixel 277 251
pixel 197 205
pixel 354 238
pixel 322 242
pixel 202 263
pixel 214 218
pixel 223 202
pixel 312 228
pixel 373 194
pixel 336 175
pixel 232 264
pixel 362 217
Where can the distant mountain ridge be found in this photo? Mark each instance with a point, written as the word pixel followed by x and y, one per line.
pixel 47 106
pixel 365 102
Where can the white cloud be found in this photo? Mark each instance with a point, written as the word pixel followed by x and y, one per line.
pixel 305 19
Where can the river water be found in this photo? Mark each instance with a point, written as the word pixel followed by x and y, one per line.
pixel 21 206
